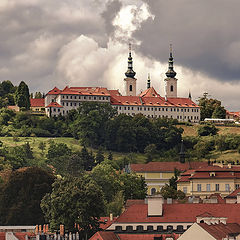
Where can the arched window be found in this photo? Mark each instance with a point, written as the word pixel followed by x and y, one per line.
pixel 130 88
pixel 201 221
pixel 153 191
pixel 171 88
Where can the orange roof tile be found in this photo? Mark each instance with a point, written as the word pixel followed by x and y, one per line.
pixel 37 102
pixel 54 104
pixel 150 92
pixel 105 222
pixel 54 91
pixel 221 231
pixel 183 102
pixel 233 194
pixel 126 100
pixel 180 213
pixel 166 166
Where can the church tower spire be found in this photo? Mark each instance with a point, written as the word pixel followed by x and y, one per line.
pixel 130 73
pixel 170 73
pixel 130 84
pixel 148 81
pixel 170 81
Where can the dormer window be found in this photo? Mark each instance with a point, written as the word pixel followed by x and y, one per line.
pixel 212 174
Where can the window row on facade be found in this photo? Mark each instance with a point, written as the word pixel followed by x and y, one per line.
pixel 210 187
pixel 167 116
pixel 157 109
pixel 85 97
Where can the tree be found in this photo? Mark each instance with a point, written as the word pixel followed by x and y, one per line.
pixel 42 146
pixel 57 150
pixel 99 156
pixel 107 179
pixel 169 192
pixel 22 96
pixel 211 108
pixel 21 195
pixel 207 129
pixel 173 179
pixel 133 186
pixel 150 150
pixel 74 201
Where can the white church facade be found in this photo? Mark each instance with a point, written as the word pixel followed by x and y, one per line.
pixel 148 103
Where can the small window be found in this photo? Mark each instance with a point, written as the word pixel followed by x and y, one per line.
pixel 236 186
pixel 171 88
pixel 130 88
pixel 199 187
pixel 208 187
pixel 153 191
pixel 71 97
pixel 227 187
pixel 185 190
pixel 217 187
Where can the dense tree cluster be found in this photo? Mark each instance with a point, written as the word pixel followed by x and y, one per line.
pixel 21 194
pixel 211 108
pixel 98 125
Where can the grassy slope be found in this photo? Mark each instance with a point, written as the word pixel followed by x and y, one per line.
pixel 135 157
pixel 71 142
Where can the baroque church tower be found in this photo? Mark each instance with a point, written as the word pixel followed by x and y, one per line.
pixel 170 81
pixel 130 81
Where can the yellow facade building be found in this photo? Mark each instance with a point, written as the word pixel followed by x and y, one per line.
pixel 157 174
pixel 205 181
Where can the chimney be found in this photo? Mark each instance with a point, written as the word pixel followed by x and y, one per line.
pixel 155 205
pixel 229 165
pixel 111 217
pixel 238 197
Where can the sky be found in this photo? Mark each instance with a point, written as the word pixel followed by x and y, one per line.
pixel 49 43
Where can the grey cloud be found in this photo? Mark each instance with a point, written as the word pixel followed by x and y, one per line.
pixel 22 24
pixel 112 8
pixel 202 33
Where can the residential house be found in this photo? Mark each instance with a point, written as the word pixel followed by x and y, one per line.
pixel 37 105
pixel 205 181
pixel 200 231
pixel 157 174
pixel 157 219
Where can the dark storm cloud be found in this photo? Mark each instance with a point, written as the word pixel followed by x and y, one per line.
pixel 110 13
pixel 33 32
pixel 204 35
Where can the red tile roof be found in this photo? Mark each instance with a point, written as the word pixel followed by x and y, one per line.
pixel 54 91
pixel 233 194
pixel 54 104
pixel 218 175
pixel 37 102
pixel 218 196
pixel 101 235
pixel 220 231
pixel 205 173
pixel 126 100
pixel 166 166
pixel 131 202
pixel 150 92
pixel 184 102
pixel 105 222
pixel 145 236
pixel 185 213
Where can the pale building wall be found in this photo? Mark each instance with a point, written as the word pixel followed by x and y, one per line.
pixel 179 113
pixel 192 186
pixel 197 233
pixel 171 87
pixel 130 82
